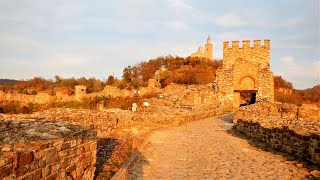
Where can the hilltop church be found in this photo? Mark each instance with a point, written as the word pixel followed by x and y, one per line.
pixel 207 52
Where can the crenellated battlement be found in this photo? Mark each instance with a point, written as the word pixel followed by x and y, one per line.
pixel 247 44
pixel 246 67
pixel 255 51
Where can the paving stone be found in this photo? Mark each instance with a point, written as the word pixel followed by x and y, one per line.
pixel 203 152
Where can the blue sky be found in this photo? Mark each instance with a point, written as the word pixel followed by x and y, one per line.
pixel 96 38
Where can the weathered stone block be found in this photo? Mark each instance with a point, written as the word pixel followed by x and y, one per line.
pixel 86 147
pixel 93 146
pixel 39 145
pixel 20 171
pixel 51 155
pixel 33 166
pixel 6 171
pixel 46 171
pixel 65 162
pixel 71 168
pixel 3 162
pixel 28 177
pixel 79 171
pixel 39 154
pixel 42 163
pixel 65 145
pixel 26 158
pixel 37 174
pixel 52 176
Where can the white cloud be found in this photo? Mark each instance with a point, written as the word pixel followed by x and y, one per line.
pixel 303 40
pixel 226 36
pixel 231 20
pixel 177 26
pixel 302 76
pixel 300 21
pixel 288 60
pixel 294 22
pixel 179 5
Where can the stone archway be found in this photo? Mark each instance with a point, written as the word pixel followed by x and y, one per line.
pixel 249 97
pixel 245 91
pixel 247 83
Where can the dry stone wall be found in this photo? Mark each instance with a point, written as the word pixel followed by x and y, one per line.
pixel 80 93
pixel 33 149
pixel 278 126
pixel 286 111
pixel 103 121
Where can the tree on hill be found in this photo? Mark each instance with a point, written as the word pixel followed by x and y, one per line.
pixel 110 80
pixel 190 70
pixel 10 81
pixel 282 87
pixel 279 82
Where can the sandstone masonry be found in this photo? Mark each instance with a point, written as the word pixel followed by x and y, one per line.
pixel 207 52
pixel 279 127
pixel 246 69
pixel 33 149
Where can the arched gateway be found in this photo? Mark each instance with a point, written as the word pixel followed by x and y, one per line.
pixel 245 75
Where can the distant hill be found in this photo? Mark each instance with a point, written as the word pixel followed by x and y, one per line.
pixel 284 92
pixel 316 88
pixel 11 81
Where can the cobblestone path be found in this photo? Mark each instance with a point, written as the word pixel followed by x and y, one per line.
pixel 204 150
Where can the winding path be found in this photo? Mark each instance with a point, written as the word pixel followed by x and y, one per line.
pixel 204 150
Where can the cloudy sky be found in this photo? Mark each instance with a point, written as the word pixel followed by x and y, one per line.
pixel 96 38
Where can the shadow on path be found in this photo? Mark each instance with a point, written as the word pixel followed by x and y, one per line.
pixel 264 147
pixel 227 117
pixel 136 169
pixel 105 147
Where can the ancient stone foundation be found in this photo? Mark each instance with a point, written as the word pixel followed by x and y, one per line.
pixel 46 150
pixel 103 121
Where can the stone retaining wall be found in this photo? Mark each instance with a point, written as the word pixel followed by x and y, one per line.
pixel 103 121
pixel 285 139
pixel 46 150
pixel 288 111
pixel 299 137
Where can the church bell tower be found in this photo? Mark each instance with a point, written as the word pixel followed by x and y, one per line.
pixel 208 49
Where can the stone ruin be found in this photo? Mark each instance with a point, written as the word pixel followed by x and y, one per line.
pixel 245 69
pixel 283 127
pixel 80 91
pixel 41 149
pixel 79 94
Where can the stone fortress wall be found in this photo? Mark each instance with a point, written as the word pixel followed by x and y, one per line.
pixel 246 69
pixel 33 149
pixel 257 53
pixel 287 128
pixel 80 93
pixel 102 121
pixel 60 143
